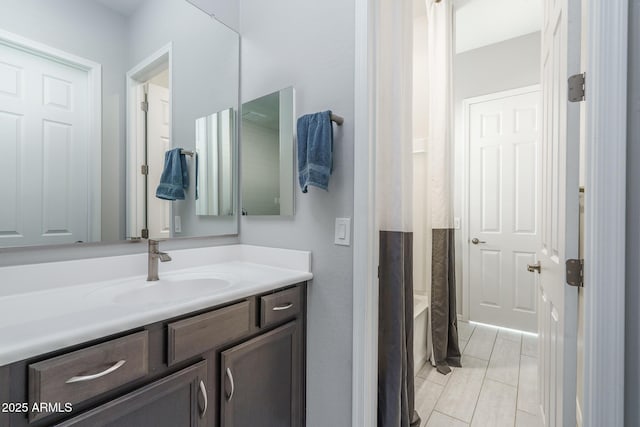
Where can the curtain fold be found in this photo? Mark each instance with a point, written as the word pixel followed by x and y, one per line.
pixel 439 115
pixel 394 176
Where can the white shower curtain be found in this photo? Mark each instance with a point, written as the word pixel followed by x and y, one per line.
pixel 394 54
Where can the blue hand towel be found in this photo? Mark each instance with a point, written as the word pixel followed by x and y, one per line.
pixel 315 150
pixel 175 176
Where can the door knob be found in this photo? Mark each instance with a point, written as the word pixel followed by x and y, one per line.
pixel 534 267
pixel 475 241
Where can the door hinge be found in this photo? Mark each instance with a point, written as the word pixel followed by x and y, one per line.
pixel 577 84
pixel 575 272
pixel 144 169
pixel 144 106
pixel 145 233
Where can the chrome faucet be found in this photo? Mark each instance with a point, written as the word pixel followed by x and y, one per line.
pixel 154 256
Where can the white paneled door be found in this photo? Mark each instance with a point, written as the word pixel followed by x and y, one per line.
pixel 559 209
pixel 158 143
pixel 503 139
pixel 44 143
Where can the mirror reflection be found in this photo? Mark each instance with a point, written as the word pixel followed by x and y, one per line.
pixel 93 93
pixel 267 154
pixel 214 164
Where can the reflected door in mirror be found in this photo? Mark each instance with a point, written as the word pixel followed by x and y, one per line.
pixel 214 164
pixel 44 138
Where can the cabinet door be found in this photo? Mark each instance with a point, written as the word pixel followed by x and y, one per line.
pixel 262 382
pixel 179 400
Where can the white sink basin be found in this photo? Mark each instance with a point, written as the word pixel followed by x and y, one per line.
pixel 169 289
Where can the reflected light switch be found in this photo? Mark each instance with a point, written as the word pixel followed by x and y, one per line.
pixel 343 231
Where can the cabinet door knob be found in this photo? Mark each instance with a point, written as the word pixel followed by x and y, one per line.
pixel 203 390
pixel 233 386
pixel 107 371
pixel 286 306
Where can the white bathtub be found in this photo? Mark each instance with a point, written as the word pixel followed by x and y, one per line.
pixel 420 322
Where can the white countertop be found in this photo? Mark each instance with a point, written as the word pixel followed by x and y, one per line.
pixel 42 312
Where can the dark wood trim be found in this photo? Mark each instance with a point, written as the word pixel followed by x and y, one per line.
pixel 47 379
pixel 195 335
pixel 280 306
pixel 15 389
pixel 115 409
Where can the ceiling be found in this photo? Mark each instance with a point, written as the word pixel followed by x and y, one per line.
pixel 480 23
pixel 264 111
pixel 123 7
pixel 483 22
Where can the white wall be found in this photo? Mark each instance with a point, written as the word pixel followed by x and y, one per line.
pixel 502 66
pixel 310 45
pixel 632 313
pixel 204 80
pixel 94 32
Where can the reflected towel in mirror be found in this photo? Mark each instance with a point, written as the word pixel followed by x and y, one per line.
pixel 175 176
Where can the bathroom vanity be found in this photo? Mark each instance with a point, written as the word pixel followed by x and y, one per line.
pixel 232 357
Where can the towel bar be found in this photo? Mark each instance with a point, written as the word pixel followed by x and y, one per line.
pixel 335 118
pixel 187 153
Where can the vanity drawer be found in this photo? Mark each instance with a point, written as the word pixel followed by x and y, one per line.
pixel 195 335
pixel 280 306
pixel 83 374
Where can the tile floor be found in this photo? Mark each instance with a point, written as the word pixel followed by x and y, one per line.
pixel 496 386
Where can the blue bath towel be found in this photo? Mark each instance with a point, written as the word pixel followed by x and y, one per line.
pixel 175 176
pixel 315 150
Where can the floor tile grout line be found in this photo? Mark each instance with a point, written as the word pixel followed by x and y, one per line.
pixel 484 377
pixel 515 418
pixel 444 389
pixel 450 416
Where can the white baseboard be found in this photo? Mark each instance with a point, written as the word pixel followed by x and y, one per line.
pixel 417 365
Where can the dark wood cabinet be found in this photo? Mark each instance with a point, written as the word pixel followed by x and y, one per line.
pixel 177 400
pixel 262 380
pixel 241 364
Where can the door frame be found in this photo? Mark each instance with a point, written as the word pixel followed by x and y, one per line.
pixel 604 304
pixel 466 176
pixel 605 213
pixel 135 180
pixel 94 91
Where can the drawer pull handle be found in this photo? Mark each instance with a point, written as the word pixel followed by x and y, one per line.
pixel 233 386
pixel 107 371
pixel 283 307
pixel 203 390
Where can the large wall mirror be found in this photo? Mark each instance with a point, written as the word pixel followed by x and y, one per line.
pixel 93 94
pixel 267 154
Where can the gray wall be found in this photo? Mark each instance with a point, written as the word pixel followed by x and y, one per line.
pixel 226 11
pixel 502 66
pixel 632 343
pixel 205 78
pixel 310 45
pixel 98 34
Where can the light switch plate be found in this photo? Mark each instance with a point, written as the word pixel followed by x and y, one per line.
pixel 343 232
pixel 456 223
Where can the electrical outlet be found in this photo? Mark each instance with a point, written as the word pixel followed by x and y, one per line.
pixel 177 224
